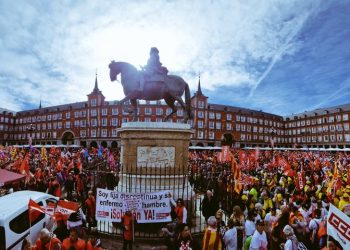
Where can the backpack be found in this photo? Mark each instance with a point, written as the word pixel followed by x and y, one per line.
pixel 247 242
pixel 322 234
pixel 301 246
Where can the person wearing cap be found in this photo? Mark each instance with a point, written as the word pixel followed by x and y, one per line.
pixel 47 241
pixel 267 201
pixel 259 239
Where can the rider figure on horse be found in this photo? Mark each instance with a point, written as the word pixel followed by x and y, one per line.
pixel 154 66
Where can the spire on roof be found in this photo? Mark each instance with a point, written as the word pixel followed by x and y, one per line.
pixel 199 91
pixel 40 103
pixel 96 84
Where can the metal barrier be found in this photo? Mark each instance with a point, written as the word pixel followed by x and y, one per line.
pixel 182 184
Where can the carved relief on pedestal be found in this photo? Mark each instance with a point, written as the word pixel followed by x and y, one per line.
pixel 156 157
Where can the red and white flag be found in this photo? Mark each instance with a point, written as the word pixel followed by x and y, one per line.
pixel 32 205
pixel 338 226
pixel 65 208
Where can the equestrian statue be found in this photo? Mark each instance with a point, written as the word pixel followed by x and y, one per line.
pixel 152 83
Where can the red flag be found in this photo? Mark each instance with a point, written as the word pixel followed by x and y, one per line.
pixel 236 172
pixel 65 208
pixel 32 205
pixel 34 210
pixel 24 168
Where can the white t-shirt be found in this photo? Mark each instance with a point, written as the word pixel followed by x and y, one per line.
pixel 230 239
pixel 259 241
pixel 315 224
pixel 289 245
pixel 249 227
pixel 270 219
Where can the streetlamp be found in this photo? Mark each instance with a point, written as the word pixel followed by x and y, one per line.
pixel 30 128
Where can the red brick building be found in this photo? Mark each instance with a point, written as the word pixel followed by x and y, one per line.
pixel 96 120
pixel 7 119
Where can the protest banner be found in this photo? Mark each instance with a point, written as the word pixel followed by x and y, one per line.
pixel 338 226
pixel 152 207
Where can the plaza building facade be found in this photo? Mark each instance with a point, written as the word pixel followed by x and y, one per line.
pixel 95 122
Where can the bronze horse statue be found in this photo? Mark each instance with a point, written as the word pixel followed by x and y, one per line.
pixel 169 87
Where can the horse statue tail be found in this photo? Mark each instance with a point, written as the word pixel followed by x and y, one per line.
pixel 188 101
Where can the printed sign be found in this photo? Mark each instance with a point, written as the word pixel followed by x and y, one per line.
pixel 146 207
pixel 338 226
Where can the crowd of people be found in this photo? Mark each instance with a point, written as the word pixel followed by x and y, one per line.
pixel 252 199
pixel 280 200
pixel 72 175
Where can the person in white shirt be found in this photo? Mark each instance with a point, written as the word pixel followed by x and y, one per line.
pixel 314 225
pixel 230 237
pixel 292 241
pixel 305 212
pixel 259 239
pixel 249 225
pixel 271 218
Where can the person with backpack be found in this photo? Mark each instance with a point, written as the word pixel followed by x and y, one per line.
pixel 314 226
pixel 292 242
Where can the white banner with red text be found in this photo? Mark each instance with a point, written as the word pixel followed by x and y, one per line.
pixel 152 207
pixel 338 226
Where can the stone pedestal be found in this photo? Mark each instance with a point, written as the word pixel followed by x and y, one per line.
pixel 154 157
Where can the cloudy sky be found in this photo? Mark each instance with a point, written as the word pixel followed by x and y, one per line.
pixel 281 56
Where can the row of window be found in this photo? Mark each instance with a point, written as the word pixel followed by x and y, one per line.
pixel 321 120
pixel 37 135
pixel 319 129
pixel 6 120
pixel 244 137
pixel 240 118
pixel 93 113
pixel 320 138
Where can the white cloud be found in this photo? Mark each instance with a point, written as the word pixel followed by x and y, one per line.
pixel 232 43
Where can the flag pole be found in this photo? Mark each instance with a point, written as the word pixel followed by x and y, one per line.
pixel 133 226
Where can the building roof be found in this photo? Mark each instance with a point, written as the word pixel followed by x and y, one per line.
pixel 96 90
pixel 243 111
pixel 7 110
pixel 199 89
pixel 76 105
pixel 320 111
